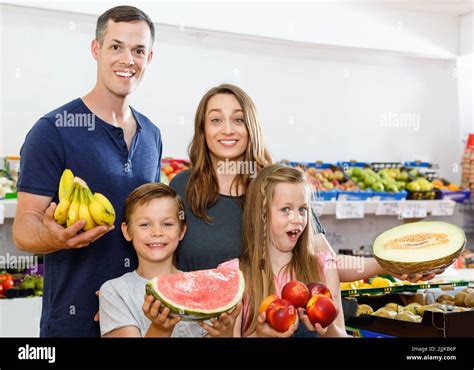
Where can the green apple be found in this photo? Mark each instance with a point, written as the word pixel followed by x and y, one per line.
pixel 378 186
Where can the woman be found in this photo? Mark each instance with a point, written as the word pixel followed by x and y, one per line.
pixel 227 150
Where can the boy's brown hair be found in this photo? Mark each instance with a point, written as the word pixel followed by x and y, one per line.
pixel 145 193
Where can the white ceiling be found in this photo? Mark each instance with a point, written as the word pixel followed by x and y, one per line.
pixel 446 7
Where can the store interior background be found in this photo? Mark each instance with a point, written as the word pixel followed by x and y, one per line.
pixel 327 79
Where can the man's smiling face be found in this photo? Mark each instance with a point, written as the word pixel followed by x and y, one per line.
pixel 123 56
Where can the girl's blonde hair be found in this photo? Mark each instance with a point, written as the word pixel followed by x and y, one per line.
pixel 202 189
pixel 256 240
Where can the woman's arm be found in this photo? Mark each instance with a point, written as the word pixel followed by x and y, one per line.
pixel 353 268
pixel 337 329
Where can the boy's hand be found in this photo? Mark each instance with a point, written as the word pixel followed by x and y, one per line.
pixel 161 324
pixel 318 328
pixel 224 326
pixel 265 330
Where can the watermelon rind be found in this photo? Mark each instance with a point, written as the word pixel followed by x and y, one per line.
pixel 187 313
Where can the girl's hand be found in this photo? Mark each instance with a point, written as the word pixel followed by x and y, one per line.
pixel 265 330
pixel 161 323
pixel 318 328
pixel 224 326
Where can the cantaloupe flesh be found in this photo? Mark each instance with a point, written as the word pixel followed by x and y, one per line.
pixel 419 242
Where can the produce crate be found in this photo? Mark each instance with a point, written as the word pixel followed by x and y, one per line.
pixel 400 289
pixel 459 196
pixel 424 195
pixel 319 195
pixel 372 194
pixel 377 166
pixel 433 324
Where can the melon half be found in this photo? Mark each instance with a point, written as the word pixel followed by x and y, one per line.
pixel 419 248
pixel 199 295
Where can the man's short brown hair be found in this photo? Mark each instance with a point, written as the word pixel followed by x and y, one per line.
pixel 123 13
pixel 144 194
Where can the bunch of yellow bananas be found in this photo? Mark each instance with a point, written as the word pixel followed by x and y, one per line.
pixel 76 202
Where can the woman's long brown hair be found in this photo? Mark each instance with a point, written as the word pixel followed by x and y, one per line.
pixel 202 190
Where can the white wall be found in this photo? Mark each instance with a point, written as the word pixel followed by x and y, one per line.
pixel 465 65
pixel 365 24
pixel 315 102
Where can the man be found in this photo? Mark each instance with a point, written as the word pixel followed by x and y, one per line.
pixel 109 145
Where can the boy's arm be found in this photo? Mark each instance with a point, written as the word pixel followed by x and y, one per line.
pixel 126 331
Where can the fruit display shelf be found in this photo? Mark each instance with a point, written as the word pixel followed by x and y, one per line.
pixel 8 208
pixel 402 289
pixel 328 208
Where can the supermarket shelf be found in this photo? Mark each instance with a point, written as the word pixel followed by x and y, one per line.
pixel 9 207
pixel 442 207
pixel 374 207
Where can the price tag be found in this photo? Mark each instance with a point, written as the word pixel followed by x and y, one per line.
pixel 318 207
pixel 413 210
pixel 347 210
pixel 2 214
pixel 388 208
pixel 443 208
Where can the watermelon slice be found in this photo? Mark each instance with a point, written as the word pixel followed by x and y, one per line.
pixel 199 295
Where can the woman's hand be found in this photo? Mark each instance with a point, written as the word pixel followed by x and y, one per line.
pixel 265 330
pixel 224 325
pixel 161 324
pixel 318 328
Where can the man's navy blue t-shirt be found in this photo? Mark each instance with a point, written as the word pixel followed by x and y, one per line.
pixel 97 153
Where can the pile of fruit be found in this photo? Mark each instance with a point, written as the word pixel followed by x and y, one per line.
pixel 392 180
pixel 32 283
pixel 76 202
pixel 8 177
pixel 467 176
pixel 328 179
pixel 315 298
pixel 170 168
pixel 413 312
pixel 376 282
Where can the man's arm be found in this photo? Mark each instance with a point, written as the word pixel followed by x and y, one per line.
pixel 36 231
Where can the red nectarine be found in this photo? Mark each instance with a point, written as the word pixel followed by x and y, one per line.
pixel 320 309
pixel 281 314
pixel 296 292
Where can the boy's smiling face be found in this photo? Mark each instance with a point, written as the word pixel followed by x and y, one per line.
pixel 155 229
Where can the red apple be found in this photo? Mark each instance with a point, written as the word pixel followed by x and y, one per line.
pixel 281 314
pixel 297 293
pixel 266 302
pixel 319 288
pixel 320 309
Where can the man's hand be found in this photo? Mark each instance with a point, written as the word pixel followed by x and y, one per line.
pixel 69 238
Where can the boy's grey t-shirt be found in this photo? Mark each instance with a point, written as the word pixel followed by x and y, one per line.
pixel 121 302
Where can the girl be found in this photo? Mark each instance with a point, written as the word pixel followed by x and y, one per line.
pixel 277 240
